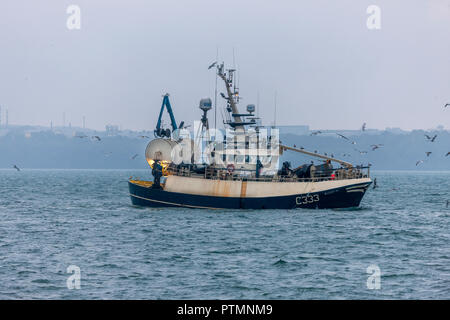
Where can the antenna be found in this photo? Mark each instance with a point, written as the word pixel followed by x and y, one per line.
pixel 234 60
pixel 235 78
pixel 275 111
pixel 215 92
pixel 257 104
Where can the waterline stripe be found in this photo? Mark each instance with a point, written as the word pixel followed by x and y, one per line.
pixel 176 204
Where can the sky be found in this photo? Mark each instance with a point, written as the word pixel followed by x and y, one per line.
pixel 327 69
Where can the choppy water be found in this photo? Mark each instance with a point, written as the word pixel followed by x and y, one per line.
pixel 53 219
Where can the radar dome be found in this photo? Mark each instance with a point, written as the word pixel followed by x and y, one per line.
pixel 205 104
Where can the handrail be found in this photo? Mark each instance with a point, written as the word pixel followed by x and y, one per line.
pixel 340 173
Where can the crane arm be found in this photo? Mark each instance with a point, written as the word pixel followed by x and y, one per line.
pixel 344 163
pixel 166 103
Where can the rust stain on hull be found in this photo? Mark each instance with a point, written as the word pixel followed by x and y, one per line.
pixel 221 189
pixel 243 189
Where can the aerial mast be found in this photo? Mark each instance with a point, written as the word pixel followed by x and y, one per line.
pixel 232 96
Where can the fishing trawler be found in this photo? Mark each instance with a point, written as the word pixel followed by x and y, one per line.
pixel 240 169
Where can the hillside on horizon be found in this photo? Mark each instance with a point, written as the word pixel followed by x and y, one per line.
pixel 56 150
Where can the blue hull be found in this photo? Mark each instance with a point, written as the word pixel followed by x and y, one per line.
pixel 343 197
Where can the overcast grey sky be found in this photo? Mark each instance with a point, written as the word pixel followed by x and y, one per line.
pixel 328 69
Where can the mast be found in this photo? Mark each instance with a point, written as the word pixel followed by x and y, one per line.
pixel 215 93
pixel 232 97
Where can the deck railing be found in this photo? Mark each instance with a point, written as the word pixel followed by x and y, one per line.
pixel 213 173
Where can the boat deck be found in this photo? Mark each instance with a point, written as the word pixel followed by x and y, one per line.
pixel 222 174
pixel 214 174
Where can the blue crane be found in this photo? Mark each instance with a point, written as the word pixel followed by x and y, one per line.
pixel 160 132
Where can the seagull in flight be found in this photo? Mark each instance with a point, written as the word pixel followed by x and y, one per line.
pixel 134 157
pixel 212 65
pixel 316 133
pixel 96 137
pixel 363 128
pixel 447 105
pixel 16 167
pixel 431 139
pixel 376 146
pixel 448 154
pixel 342 136
pixel 144 137
pixel 419 162
pixel 428 153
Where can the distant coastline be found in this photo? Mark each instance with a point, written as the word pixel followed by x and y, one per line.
pixel 77 148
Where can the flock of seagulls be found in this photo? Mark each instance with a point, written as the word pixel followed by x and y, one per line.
pixel 431 139
pixel 362 152
pixel 374 147
pixel 378 146
pixel 96 138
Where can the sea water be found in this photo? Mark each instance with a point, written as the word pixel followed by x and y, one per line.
pixel 59 224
